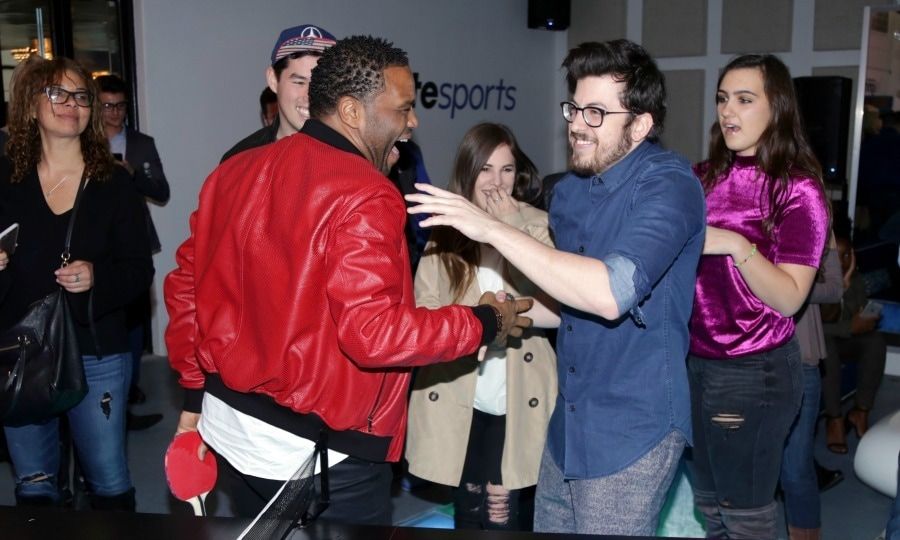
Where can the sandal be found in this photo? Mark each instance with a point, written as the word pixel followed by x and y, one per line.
pixel 859 420
pixel 836 434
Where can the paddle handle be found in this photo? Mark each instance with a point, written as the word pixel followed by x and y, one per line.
pixel 198 503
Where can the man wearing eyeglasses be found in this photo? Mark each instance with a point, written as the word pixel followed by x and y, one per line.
pixel 628 220
pixel 136 152
pixel 133 150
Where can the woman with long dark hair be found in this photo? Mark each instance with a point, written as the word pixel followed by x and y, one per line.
pixel 56 139
pixel 768 221
pixel 480 426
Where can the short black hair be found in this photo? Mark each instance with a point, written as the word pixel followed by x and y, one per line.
pixel 267 96
pixel 353 67
pixel 282 63
pixel 627 62
pixel 112 84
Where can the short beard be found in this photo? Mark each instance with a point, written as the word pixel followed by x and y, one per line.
pixel 609 156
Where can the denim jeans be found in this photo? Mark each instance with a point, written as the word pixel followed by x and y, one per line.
pixel 473 500
pixel 627 502
pixel 798 475
pixel 892 531
pixel 98 432
pixel 742 410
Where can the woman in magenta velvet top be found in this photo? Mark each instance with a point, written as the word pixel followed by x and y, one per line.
pixel 767 222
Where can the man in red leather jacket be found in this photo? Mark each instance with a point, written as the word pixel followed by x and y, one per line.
pixel 292 309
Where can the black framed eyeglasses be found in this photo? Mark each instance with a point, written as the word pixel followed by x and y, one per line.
pixel 59 96
pixel 118 106
pixel 593 116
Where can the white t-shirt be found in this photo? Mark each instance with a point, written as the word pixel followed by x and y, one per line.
pixel 255 447
pixel 490 389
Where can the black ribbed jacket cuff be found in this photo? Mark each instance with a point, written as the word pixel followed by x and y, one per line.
pixel 193 400
pixel 488 318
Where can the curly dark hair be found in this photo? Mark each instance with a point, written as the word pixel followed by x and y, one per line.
pixel 353 67
pixel 626 62
pixel 24 145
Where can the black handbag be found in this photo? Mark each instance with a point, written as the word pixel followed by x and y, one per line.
pixel 41 369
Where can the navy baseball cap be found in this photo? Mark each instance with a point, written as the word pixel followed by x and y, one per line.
pixel 304 38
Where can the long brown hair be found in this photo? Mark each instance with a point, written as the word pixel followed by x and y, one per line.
pixel 24 145
pixel 459 255
pixel 782 149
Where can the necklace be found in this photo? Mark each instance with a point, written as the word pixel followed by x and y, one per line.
pixel 54 188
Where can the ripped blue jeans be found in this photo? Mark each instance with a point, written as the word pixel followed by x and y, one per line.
pixel 98 433
pixel 742 410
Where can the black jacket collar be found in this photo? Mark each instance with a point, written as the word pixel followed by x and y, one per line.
pixel 319 131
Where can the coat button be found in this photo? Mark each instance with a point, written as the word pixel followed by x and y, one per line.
pixel 571 369
pixel 433 396
pixel 533 402
pixel 580 249
pixel 528 357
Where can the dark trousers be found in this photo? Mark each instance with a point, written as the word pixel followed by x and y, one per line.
pixel 471 500
pixel 869 351
pixel 137 316
pixel 360 491
pixel 741 411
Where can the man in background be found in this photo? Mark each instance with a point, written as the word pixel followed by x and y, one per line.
pixel 296 53
pixel 136 152
pixel 851 334
pixel 268 107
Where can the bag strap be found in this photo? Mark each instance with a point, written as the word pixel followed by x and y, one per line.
pixel 324 500
pixel 17 374
pixel 66 255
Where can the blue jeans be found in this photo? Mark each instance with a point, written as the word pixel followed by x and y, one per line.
pixel 136 343
pixel 742 410
pixel 98 432
pixel 627 502
pixel 798 475
pixel 892 531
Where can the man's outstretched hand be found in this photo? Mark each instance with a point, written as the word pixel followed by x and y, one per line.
pixel 512 323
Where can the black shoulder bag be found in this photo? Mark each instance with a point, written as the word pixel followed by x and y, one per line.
pixel 41 369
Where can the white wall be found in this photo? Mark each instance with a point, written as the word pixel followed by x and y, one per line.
pixel 200 66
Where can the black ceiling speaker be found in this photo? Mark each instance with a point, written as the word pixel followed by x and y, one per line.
pixel 549 14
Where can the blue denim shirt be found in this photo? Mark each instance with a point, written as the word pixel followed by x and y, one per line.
pixel 623 383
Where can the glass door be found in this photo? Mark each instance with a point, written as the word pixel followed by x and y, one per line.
pixel 24 30
pixel 96 37
pixel 96 33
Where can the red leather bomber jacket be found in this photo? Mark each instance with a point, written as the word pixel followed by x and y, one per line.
pixel 295 283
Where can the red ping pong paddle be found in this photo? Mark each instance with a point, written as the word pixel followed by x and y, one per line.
pixel 190 479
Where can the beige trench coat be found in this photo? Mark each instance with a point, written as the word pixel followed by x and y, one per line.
pixel 440 409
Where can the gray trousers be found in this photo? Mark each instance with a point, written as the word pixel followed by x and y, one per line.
pixel 627 502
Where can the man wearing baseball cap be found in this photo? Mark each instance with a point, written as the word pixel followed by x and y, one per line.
pixel 294 56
